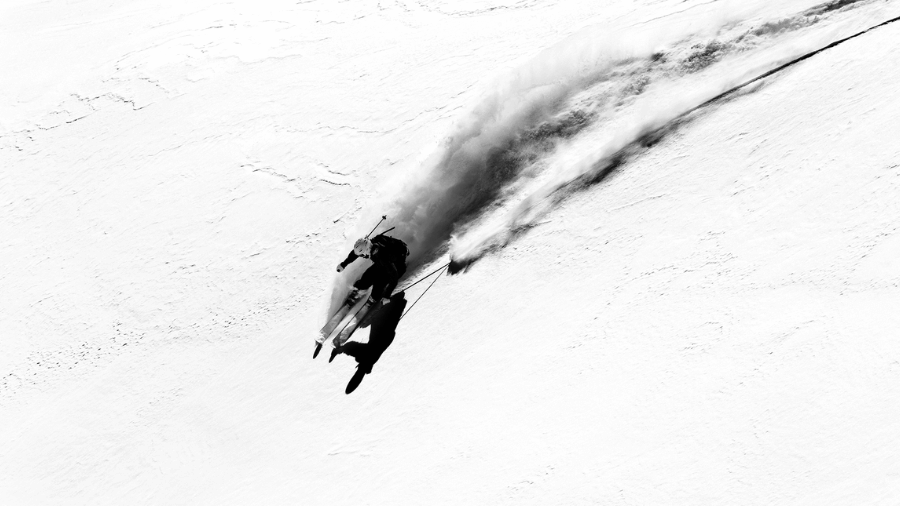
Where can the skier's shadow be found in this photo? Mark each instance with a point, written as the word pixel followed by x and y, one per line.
pixel 384 325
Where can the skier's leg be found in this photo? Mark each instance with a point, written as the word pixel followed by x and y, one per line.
pixel 384 283
pixel 393 279
pixel 378 288
pixel 367 279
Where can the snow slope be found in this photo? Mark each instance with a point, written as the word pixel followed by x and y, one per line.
pixel 712 323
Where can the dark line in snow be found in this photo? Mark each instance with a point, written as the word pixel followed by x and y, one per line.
pixel 333 183
pixel 782 67
pixel 608 164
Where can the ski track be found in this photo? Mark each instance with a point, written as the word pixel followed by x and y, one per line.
pixel 516 145
pixel 649 125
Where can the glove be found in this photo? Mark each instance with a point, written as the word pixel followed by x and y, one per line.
pixel 340 267
pixel 386 300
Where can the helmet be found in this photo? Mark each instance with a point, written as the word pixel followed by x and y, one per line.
pixel 363 247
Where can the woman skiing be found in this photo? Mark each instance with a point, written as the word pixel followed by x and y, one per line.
pixel 388 256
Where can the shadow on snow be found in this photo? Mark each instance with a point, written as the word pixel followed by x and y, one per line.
pixel 381 335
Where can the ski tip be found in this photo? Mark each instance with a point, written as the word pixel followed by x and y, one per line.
pixel 318 349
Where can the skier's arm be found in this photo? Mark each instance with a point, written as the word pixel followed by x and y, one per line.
pixel 349 260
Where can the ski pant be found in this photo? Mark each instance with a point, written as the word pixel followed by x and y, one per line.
pixel 382 278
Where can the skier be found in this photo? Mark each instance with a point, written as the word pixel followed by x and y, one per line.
pixel 388 256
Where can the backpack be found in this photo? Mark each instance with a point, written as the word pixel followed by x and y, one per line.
pixel 393 247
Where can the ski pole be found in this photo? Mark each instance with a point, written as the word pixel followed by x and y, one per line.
pixel 376 226
pixel 423 278
pixel 423 293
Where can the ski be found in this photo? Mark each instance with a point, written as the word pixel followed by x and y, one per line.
pixel 342 319
pixel 348 328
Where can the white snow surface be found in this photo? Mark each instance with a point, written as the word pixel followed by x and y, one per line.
pixel 715 322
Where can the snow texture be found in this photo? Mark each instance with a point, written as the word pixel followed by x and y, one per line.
pixel 660 299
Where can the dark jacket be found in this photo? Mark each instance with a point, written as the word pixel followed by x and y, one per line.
pixel 389 265
pixel 387 252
